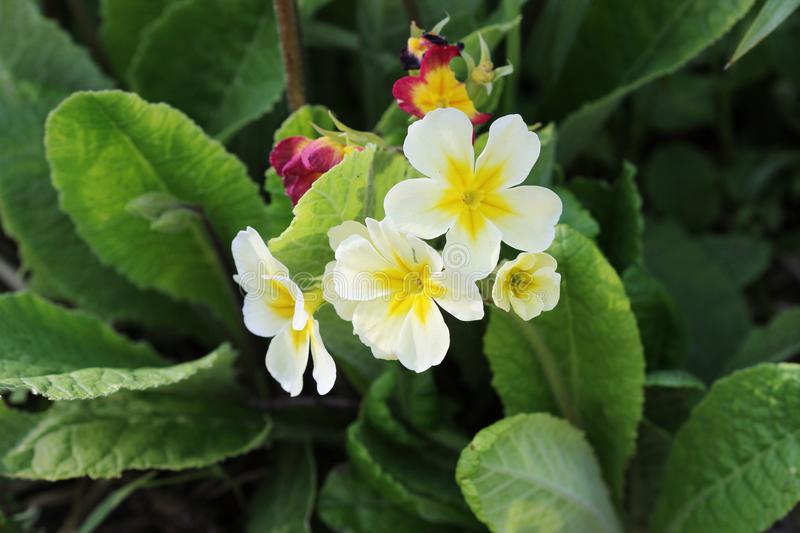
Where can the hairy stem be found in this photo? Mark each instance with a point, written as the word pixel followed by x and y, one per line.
pixel 289 33
pixel 10 278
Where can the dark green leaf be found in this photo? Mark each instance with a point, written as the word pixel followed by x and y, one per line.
pixel 733 466
pixel 772 14
pixel 714 312
pixel 124 22
pixel 284 501
pixel 743 258
pixel 575 215
pixel 217 60
pixel 777 341
pixel 617 208
pixel 682 182
pixel 661 327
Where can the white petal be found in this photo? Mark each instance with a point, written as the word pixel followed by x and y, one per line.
pixel 253 259
pixel 287 357
pixel 412 206
pixel 442 138
pixel 404 250
pixel 377 328
pixel 548 287
pixel 324 367
pixel 359 271
pixel 473 248
pixel 462 299
pixel 339 233
pixel 500 292
pixel 260 317
pixel 529 223
pixel 527 307
pixel 424 339
pixel 300 316
pixel 510 153
pixel 344 308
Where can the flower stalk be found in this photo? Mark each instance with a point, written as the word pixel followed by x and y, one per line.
pixel 289 34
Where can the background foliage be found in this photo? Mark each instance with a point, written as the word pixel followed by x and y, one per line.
pixel 657 396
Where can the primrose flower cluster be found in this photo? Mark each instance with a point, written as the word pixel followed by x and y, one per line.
pixel 387 278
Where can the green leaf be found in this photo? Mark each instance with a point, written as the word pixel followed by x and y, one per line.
pixel 419 480
pixel 682 182
pixel 714 312
pixel 674 379
pixel 534 472
pixel 575 215
pixel 777 341
pixel 48 244
pixel 733 466
pixel 352 190
pixel 222 83
pixel 743 258
pixel 393 125
pixel 552 38
pixel 670 395
pixel 772 14
pixel 301 123
pixel 351 355
pixel 542 172
pixel 112 501
pixel 124 23
pixel 645 474
pixel 191 424
pixel 678 103
pixel 617 209
pixel 405 447
pixel 35 50
pixel 583 359
pixel 347 503
pixel 68 355
pixel 660 37
pixel 284 501
pixel 108 148
pixel 661 327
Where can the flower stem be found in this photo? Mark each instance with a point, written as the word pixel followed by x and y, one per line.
pixel 10 277
pixel 289 33
pixel 511 10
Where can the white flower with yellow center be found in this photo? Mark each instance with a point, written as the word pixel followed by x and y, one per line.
pixel 475 202
pixel 529 285
pixel 389 284
pixel 274 306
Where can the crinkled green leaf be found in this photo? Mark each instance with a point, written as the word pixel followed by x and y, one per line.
pixel 776 342
pixel 772 14
pixel 217 60
pixel 347 503
pixel 352 190
pixel 285 499
pixel 714 311
pixel 68 355
pixel 661 327
pixel 682 182
pixel 617 208
pixel 742 257
pixel 108 148
pixel 534 472
pixel 124 22
pixel 600 69
pixel 301 122
pixel 733 466
pixel 47 241
pixel 191 424
pixel 582 360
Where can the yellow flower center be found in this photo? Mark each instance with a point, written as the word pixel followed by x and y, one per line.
pixel 483 73
pixel 520 282
pixel 472 198
pixel 415 283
